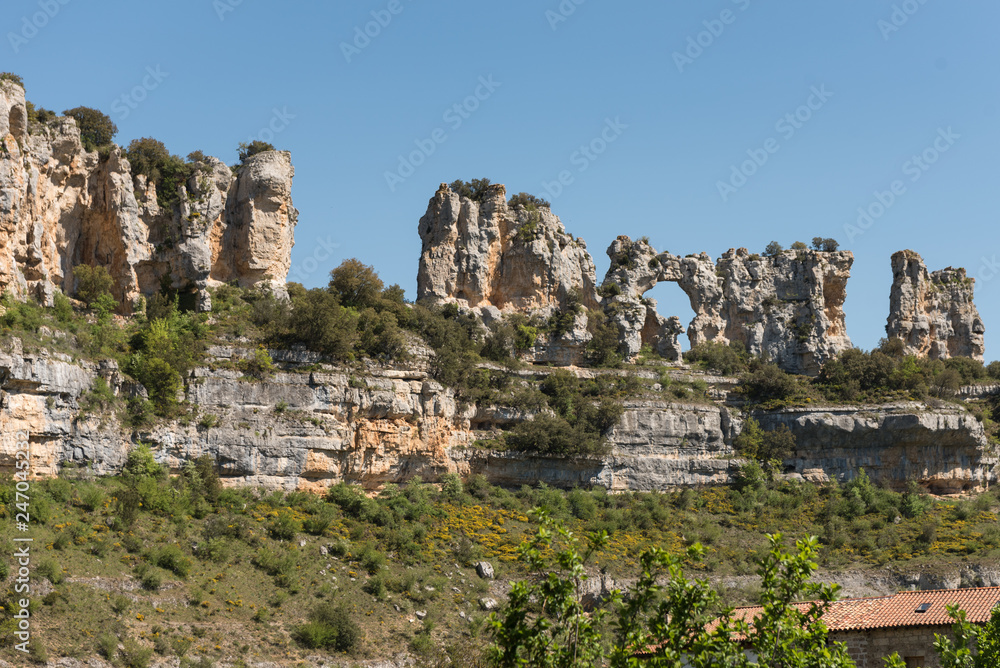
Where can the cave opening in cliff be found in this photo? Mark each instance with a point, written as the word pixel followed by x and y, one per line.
pixel 671 301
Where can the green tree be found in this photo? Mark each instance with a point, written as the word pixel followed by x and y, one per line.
pixel 92 282
pixel 773 249
pixel 474 189
pixel 169 172
pixel 247 151
pixel 527 201
pixel 826 245
pixel 356 284
pixel 323 324
pixel 96 128
pixel 799 246
pixel 770 448
pixel 665 620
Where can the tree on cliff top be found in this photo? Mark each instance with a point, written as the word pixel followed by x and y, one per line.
pixel 474 189
pixel 247 151
pixel 150 157
pixel 96 128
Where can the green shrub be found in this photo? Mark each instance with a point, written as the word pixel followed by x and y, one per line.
pixel 141 463
pixel 372 559
pixel 134 655
pixel 172 559
pixel 92 497
pixel 284 527
pixel 527 201
pixel 768 383
pixel 10 76
pixel 258 365
pixel 247 151
pixel 208 420
pixel 475 189
pixel 99 398
pixel 107 646
pixel 92 282
pixel 725 359
pixel 96 128
pixel 62 307
pixel 169 172
pixel 50 570
pixel 330 627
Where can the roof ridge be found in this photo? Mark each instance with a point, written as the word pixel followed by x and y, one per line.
pixel 933 591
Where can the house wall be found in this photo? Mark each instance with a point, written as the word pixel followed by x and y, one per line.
pixel 868 648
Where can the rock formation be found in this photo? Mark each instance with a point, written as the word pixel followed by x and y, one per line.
pixel 487 254
pixel 788 307
pixel 388 425
pixel 933 313
pixel 61 206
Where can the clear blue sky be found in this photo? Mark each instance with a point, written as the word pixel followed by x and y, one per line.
pixel 226 65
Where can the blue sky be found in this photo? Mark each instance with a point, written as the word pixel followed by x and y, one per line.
pixel 893 78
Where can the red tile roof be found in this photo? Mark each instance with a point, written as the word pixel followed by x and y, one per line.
pixel 898 610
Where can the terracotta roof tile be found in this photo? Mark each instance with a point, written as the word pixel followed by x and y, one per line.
pixel 897 610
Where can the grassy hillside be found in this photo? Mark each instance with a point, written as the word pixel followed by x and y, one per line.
pixel 145 564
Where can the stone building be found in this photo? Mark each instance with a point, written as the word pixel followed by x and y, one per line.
pixel 874 628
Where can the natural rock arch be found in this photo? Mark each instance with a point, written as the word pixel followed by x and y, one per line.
pixel 787 307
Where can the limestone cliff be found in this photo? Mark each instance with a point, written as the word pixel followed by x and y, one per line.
pixel 788 307
pixel 388 425
pixel 487 254
pixel 61 206
pixel 933 314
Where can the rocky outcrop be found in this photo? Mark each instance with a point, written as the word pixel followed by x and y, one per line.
pixel 485 253
pixel 933 314
pixel 788 307
pixel 61 206
pixel 494 259
pixel 943 449
pixel 308 430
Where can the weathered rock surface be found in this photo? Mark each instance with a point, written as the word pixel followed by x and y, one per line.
pixel 944 449
pixel 933 314
pixel 488 254
pixel 61 206
pixel 788 307
pixel 496 259
pixel 389 425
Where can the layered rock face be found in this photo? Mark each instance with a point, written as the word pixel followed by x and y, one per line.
pixel 933 314
pixel 391 425
pixel 788 307
pixel 495 259
pixel 486 254
pixel 61 206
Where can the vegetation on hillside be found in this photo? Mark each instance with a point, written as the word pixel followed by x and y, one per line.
pixel 215 564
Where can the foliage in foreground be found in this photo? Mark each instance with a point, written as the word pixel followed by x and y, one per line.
pixel 547 625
